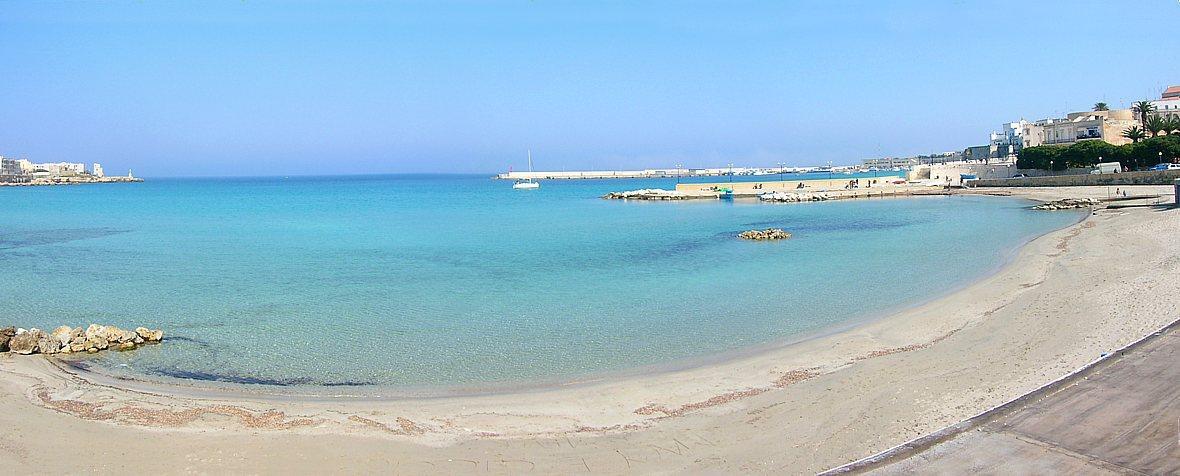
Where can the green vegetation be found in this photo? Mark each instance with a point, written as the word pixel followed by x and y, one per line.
pixel 1136 156
pixel 1134 133
pixel 1143 109
pixel 1101 106
pixel 1154 125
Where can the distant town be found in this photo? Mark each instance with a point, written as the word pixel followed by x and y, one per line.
pixel 1143 135
pixel 25 172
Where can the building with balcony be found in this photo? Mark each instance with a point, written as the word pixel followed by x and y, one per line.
pixel 1168 105
pixel 1080 126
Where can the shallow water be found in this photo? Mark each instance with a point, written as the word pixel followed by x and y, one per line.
pixel 460 280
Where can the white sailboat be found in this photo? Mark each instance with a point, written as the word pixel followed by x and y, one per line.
pixel 527 183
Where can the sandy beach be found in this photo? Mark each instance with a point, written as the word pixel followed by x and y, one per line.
pixel 1067 298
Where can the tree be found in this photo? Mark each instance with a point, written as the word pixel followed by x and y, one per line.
pixel 1143 109
pixel 1155 125
pixel 1172 125
pixel 1134 133
pixel 1101 106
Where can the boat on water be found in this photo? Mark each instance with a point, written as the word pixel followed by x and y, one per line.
pixel 527 183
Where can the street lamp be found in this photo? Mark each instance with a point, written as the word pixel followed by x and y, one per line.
pixel 678 174
pixel 829 170
pixel 731 172
pixel 781 171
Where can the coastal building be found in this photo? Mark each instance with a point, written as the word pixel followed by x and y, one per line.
pixel 890 162
pixel 1008 141
pixel 96 170
pixel 1082 126
pixel 1168 104
pixel 55 168
pixel 978 153
pixel 10 167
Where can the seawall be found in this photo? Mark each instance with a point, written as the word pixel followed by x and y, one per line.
pixel 1155 177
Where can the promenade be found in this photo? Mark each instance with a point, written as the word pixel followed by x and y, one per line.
pixel 1119 416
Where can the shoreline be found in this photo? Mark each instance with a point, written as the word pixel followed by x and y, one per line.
pixel 370 393
pixel 837 398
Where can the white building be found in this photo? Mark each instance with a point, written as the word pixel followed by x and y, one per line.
pixel 10 167
pixel 1168 103
pixel 96 170
pixel 55 168
pixel 1009 140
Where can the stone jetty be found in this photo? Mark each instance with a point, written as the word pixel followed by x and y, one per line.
pixel 68 340
pixel 1068 204
pixel 792 197
pixel 764 235
pixel 656 194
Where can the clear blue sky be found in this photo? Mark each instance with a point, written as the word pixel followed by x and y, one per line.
pixel 261 88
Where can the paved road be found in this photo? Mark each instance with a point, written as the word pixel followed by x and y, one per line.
pixel 1121 416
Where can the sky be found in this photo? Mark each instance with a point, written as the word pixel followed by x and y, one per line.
pixel 316 88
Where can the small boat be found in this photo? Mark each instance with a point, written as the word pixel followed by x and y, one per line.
pixel 527 183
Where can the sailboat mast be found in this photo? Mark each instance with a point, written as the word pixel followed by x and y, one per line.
pixel 530 152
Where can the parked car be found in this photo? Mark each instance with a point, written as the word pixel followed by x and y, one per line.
pixel 1019 176
pixel 1165 167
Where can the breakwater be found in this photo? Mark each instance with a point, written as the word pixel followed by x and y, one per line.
pixel 68 340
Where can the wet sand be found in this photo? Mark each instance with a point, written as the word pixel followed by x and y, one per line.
pixel 1068 297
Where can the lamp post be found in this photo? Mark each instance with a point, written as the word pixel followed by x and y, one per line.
pixel 781 171
pixel 678 174
pixel 731 172
pixel 829 170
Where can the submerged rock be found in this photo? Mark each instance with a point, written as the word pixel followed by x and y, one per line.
pixel 763 235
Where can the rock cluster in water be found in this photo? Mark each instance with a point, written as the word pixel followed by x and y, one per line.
pixel 1068 204
pixel 762 235
pixel 794 197
pixel 67 340
pixel 648 194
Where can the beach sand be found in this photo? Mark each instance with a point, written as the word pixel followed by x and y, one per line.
pixel 1067 298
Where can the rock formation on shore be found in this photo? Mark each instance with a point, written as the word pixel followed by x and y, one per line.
pixel 791 197
pixel 66 340
pixel 763 235
pixel 650 194
pixel 1068 204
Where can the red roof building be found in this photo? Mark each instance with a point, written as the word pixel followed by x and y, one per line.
pixel 1171 93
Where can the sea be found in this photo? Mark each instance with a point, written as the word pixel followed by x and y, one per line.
pixel 460 281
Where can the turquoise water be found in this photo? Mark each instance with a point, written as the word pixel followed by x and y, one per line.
pixel 460 280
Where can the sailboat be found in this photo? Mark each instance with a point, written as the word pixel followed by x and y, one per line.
pixel 527 183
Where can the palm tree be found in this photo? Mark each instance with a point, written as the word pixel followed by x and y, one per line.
pixel 1143 109
pixel 1155 125
pixel 1134 133
pixel 1100 106
pixel 1172 125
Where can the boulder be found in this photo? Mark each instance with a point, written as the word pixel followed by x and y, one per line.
pixel 47 343
pixel 116 335
pixel 96 343
pixel 63 335
pixel 126 346
pixel 95 332
pixel 23 343
pixel 5 336
pixel 150 335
